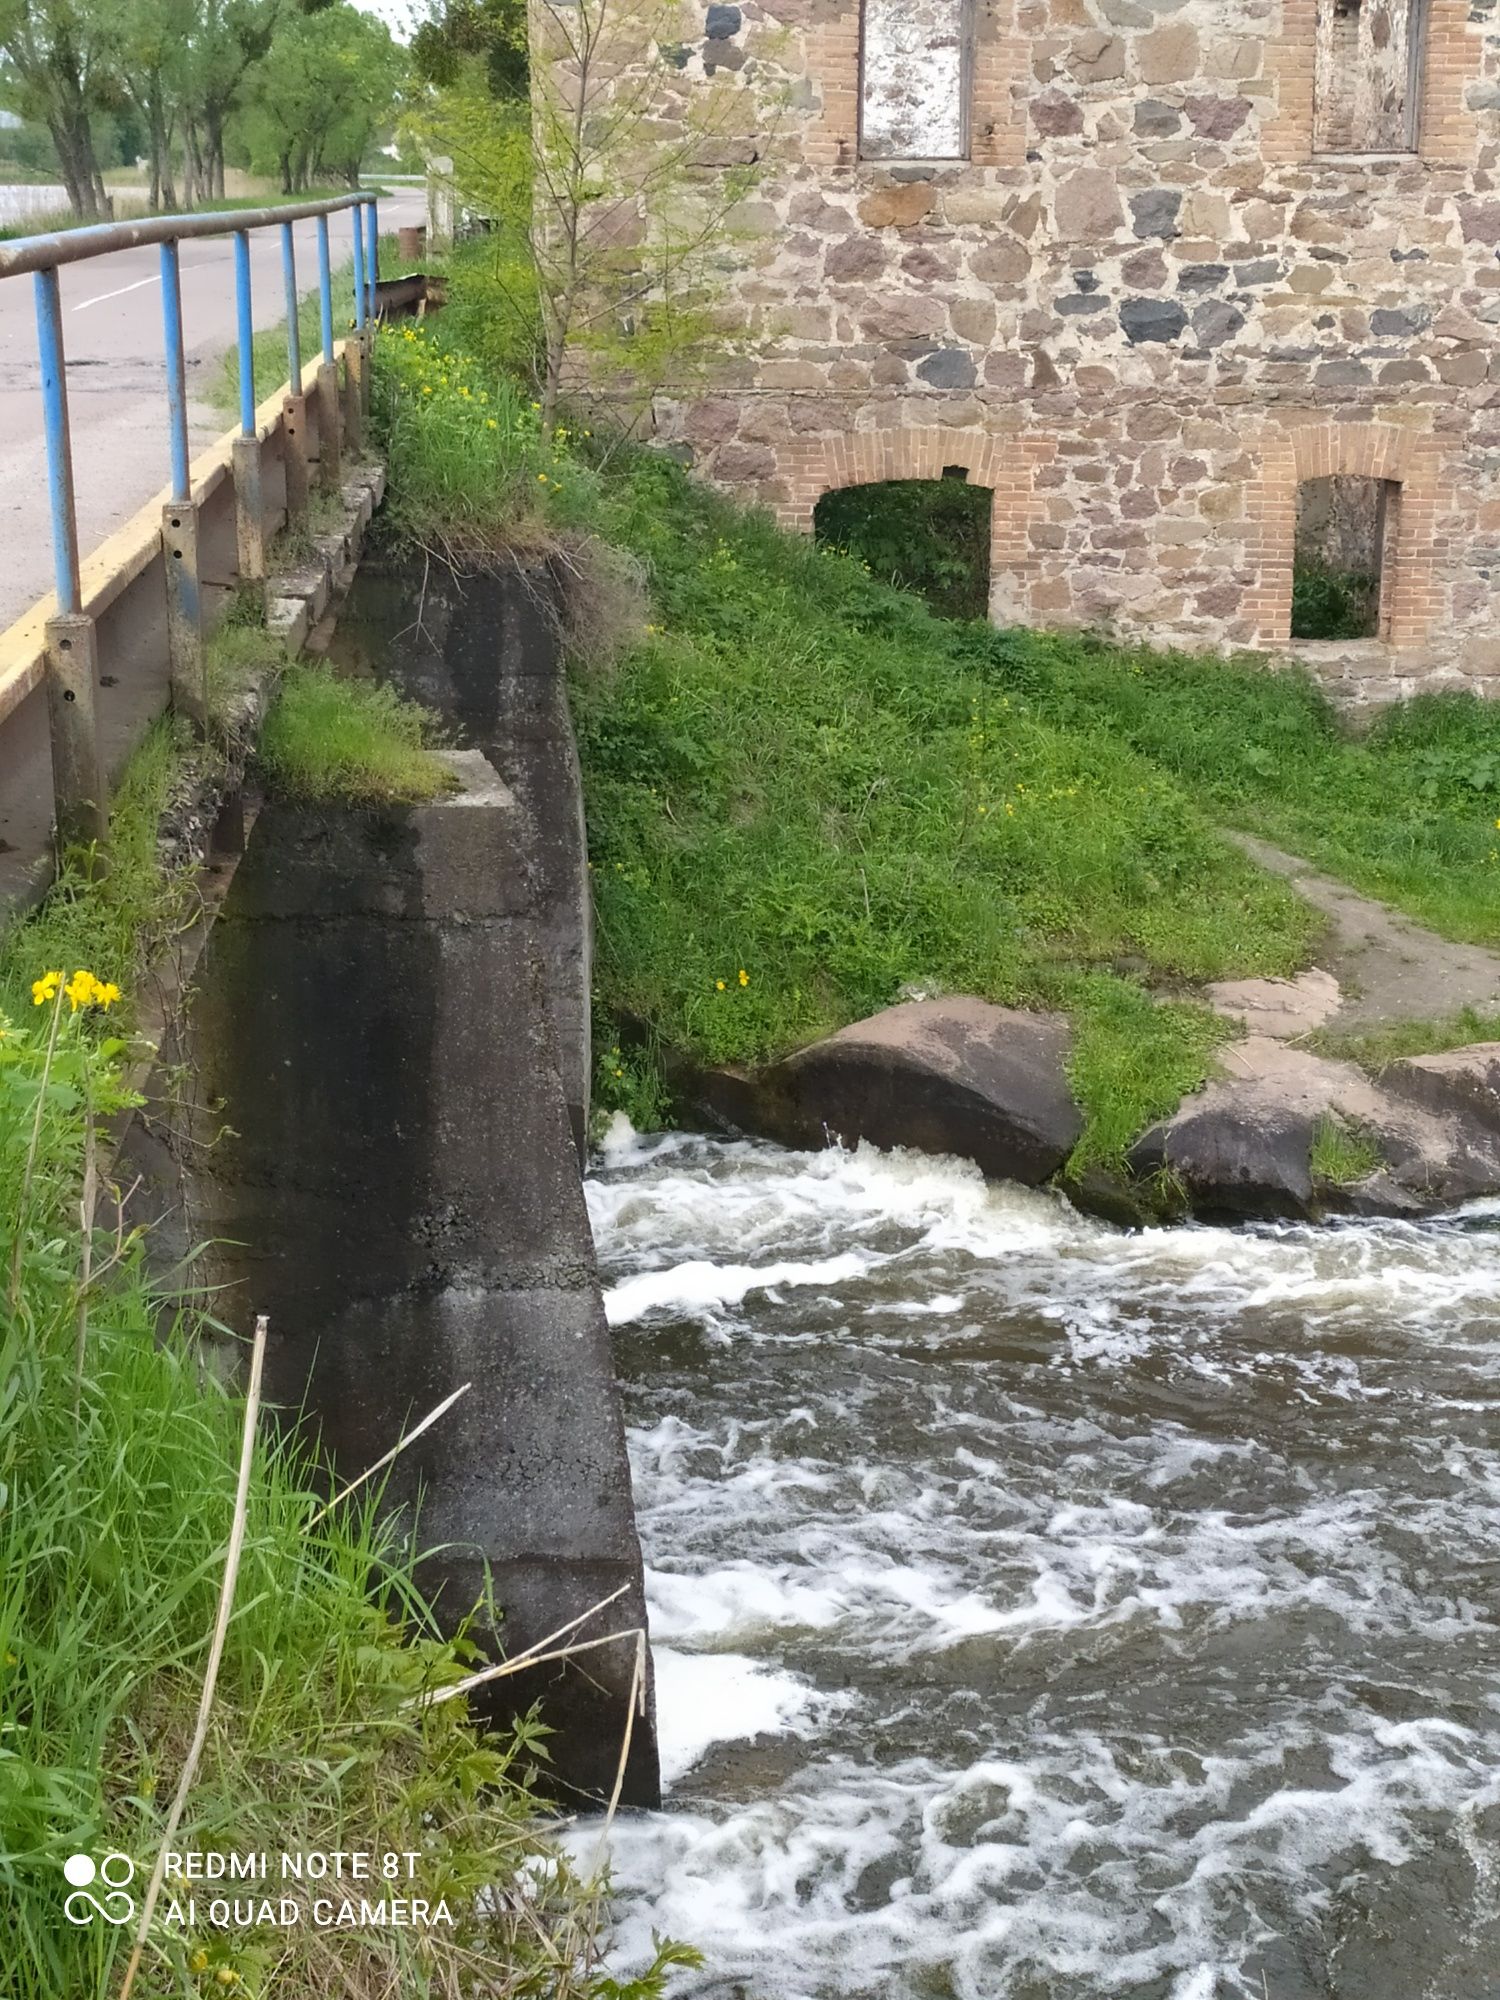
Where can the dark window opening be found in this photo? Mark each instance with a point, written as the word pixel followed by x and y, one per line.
pixel 1340 566
pixel 927 535
pixel 1368 74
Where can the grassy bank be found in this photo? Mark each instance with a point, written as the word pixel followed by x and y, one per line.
pixel 807 795
pixel 118 1464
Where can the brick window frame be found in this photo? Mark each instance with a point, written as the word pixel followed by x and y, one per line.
pixel 1447 132
pixel 995 122
pixel 1412 578
pixel 811 467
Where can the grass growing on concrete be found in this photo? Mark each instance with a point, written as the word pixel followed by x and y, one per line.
pixel 331 738
pixel 1342 1154
pixel 1376 1048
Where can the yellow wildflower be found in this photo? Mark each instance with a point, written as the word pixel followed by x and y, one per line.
pixel 744 977
pixel 426 388
pixel 541 479
pixel 43 989
pixel 489 423
pixel 80 989
pixel 718 986
pixel 199 1961
pixel 106 995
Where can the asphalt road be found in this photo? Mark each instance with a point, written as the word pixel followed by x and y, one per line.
pixel 116 380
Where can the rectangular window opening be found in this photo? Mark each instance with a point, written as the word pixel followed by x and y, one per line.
pixel 1342 562
pixel 1367 84
pixel 915 59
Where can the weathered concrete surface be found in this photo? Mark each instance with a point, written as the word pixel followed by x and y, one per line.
pixel 1281 1008
pixel 942 1076
pixel 481 649
pixel 1388 967
pixel 395 1184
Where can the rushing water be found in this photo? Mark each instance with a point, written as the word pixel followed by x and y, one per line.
pixel 1044 1611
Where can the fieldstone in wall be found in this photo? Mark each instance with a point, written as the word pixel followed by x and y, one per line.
pixel 1151 319
pixel 1087 205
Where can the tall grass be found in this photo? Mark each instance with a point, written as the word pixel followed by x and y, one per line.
pixel 118 1450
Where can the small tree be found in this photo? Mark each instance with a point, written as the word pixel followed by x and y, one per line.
pixel 617 179
pixel 58 68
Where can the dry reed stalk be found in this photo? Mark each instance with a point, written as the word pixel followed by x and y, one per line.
pixel 526 1659
pixel 409 1437
pixel 215 1652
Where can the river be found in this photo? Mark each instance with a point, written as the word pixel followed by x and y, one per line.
pixel 1043 1610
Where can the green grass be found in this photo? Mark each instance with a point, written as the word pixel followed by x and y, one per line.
pixel 796 772
pixel 1409 812
pixel 116 922
pixel 335 739
pixel 1376 1048
pixel 118 1453
pixel 1341 1154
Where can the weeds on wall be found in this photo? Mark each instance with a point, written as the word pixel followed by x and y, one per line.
pixel 1334 603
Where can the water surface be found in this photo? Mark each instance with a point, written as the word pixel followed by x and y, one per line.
pixel 1044 1611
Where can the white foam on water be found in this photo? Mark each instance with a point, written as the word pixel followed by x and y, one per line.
pixel 704 1699
pixel 940 1442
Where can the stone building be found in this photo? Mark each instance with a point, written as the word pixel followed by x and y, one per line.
pixel 1145 268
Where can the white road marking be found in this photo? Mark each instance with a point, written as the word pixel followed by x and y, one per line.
pixel 99 301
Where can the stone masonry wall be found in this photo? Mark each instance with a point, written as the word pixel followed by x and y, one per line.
pixel 1141 308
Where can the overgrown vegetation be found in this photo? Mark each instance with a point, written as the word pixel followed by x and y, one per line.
pixel 118 1451
pixel 1342 1154
pixel 1333 603
pixel 927 535
pixel 808 794
pixel 331 738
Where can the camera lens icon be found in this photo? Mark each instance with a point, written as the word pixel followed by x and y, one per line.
pixel 81 1871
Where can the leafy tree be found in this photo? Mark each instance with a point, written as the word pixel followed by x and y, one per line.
pixel 613 224
pixel 58 61
pixel 154 38
pixel 320 95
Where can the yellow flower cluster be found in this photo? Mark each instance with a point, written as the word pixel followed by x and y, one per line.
pixel 722 985
pixel 82 990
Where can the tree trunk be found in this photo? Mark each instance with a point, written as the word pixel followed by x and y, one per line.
pixel 75 158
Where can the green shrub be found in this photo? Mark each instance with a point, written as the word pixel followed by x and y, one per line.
pixel 1333 603
pixel 927 535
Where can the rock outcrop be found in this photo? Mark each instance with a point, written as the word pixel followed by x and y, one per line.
pixel 989 1084
pixel 941 1076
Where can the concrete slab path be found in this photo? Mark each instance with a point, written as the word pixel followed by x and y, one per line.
pixel 1388 968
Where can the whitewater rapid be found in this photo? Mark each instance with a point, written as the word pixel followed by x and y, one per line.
pixel 1043 1610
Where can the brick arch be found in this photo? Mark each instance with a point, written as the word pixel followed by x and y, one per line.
pixel 1412 588
pixel 814 466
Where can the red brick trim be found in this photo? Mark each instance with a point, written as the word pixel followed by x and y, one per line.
pixel 1411 597
pixel 1447 131
pixel 812 467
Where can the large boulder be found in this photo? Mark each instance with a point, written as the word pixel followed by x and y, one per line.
pixel 941 1076
pixel 1244 1145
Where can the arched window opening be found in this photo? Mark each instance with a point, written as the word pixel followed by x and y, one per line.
pixel 1341 559
pixel 914 79
pixel 927 535
pixel 1368 75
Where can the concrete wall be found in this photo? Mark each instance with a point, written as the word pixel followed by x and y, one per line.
pixel 382 1157
pixel 1145 304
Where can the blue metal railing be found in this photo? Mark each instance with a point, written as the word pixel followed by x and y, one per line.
pixel 81 807
pixel 42 256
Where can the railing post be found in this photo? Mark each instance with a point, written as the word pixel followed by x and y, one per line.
pixel 294 409
pixel 249 510
pixel 329 414
pixel 354 347
pixel 78 788
pixel 372 279
pixel 179 519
